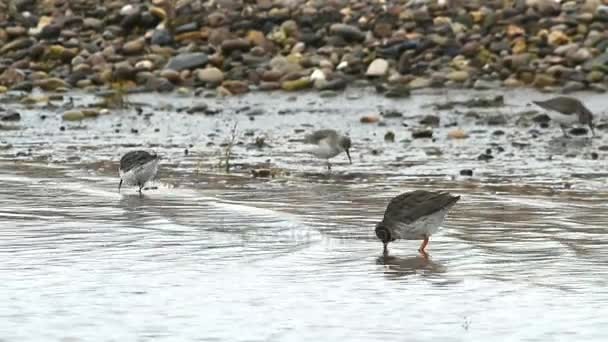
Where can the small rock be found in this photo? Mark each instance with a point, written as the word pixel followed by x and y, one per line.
pixel 486 156
pixel 466 172
pixel 420 82
pixel 51 84
pixel 572 86
pixel 170 74
pixel 134 47
pixel 484 85
pixel 328 93
pixel 230 45
pixel 187 61
pixel 372 118
pixel 90 112
pixel 263 173
pixel 379 67
pixel 578 131
pixel 399 91
pixel 236 87
pixel 391 114
pixel 543 80
pixel 210 75
pixel 541 118
pixel 299 84
pixel 73 115
pixel 389 137
pixel 199 108
pixel 347 32
pixel 10 116
pixel 161 37
pixel 430 120
pixel 558 38
pixel 422 133
pixel 594 155
pixel 497 119
pixel 457 134
pixel 458 76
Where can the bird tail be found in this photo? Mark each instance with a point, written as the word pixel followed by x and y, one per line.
pixel 452 200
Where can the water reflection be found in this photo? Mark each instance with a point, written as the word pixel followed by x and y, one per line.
pixel 398 267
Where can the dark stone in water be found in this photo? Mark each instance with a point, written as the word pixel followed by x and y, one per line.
pixel 498 132
pixel 10 116
pixel 263 173
pixel 432 120
pixel 466 172
pixel 134 131
pixel 389 137
pixel 496 120
pixel 197 108
pixel 487 156
pixel 423 133
pixel 578 131
pixel 335 84
pixel 398 92
pixel 391 113
pixel 541 118
pixel 594 155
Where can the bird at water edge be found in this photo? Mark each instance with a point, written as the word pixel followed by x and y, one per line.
pixel 327 143
pixel 567 111
pixel 414 215
pixel 137 168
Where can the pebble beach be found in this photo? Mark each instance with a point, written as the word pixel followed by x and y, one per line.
pixel 234 47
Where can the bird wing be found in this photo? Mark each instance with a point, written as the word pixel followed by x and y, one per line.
pixel 410 206
pixel 562 104
pixel 322 135
pixel 135 158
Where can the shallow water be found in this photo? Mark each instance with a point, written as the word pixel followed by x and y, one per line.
pixel 215 257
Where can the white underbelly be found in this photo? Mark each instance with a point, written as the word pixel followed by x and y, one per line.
pixel 424 226
pixel 323 151
pixel 562 118
pixel 141 174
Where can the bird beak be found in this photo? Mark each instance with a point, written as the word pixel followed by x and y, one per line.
pixel 348 154
pixel 119 185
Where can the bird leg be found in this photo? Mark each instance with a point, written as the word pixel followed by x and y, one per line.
pixel 119 185
pixel 328 166
pixel 564 131
pixel 385 250
pixel 423 245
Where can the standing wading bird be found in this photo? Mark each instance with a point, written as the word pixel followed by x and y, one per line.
pixel 328 144
pixel 566 111
pixel 414 215
pixel 137 167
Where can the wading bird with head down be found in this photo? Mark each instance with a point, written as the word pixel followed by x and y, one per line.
pixel 414 215
pixel 137 168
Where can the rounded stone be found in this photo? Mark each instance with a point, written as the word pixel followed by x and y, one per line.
pixel 210 75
